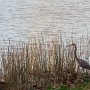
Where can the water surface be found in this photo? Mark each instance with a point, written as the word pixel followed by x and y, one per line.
pixel 20 18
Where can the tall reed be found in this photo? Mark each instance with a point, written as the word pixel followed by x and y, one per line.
pixel 39 62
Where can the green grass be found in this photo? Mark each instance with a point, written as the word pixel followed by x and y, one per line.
pixel 63 87
pixel 83 86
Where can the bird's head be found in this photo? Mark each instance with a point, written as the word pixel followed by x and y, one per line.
pixel 73 44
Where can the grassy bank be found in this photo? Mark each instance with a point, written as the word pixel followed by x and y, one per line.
pixel 37 64
pixel 83 86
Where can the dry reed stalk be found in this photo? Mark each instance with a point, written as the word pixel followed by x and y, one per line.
pixel 39 62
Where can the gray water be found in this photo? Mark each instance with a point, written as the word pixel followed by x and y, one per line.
pixel 21 18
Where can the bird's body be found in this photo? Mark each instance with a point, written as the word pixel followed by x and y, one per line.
pixel 81 62
pixel 84 64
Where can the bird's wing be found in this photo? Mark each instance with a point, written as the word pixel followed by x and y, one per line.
pixel 84 64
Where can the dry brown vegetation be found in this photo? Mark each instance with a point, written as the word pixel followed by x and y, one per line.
pixel 37 64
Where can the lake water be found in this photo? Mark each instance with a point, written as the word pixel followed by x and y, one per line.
pixel 20 18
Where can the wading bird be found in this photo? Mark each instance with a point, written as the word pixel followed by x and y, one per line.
pixel 81 62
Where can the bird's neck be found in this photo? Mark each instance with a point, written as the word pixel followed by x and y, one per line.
pixel 75 53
